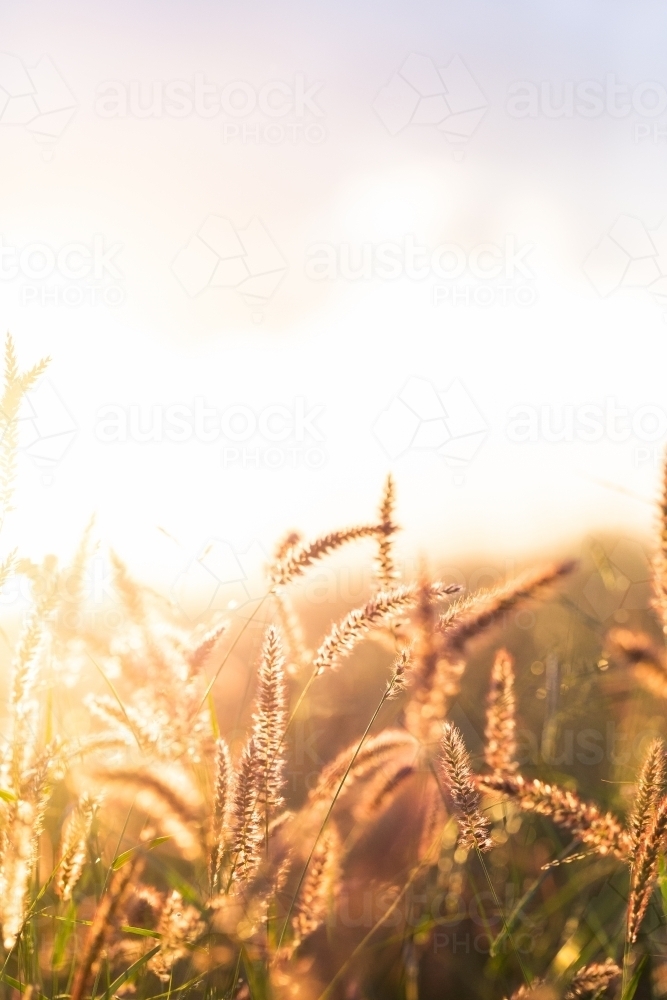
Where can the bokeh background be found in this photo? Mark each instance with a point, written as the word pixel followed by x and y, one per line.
pixel 209 216
pixel 276 251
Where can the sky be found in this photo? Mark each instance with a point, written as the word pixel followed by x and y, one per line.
pixel 278 251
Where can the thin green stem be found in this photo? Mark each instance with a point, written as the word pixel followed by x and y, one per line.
pixel 501 911
pixel 626 962
pixel 386 694
pixel 111 687
pixel 209 686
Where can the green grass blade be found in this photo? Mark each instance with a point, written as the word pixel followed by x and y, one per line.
pixel 632 985
pixel 124 976
pixel 123 858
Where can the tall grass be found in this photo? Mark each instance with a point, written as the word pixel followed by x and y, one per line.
pixel 184 862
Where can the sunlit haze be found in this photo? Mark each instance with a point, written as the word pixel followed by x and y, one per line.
pixel 271 263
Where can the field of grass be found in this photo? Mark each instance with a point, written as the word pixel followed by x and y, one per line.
pixel 444 791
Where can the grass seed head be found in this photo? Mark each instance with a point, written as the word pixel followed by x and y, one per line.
pixel 458 780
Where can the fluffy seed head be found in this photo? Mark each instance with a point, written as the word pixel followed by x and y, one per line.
pixel 297 558
pixel 457 775
pixel 386 572
pixel 73 846
pixel 600 831
pixel 591 981
pixel 500 732
pixel 246 832
pixel 199 653
pixel 344 636
pixel 644 871
pixel 471 616
pixel 399 678
pixel 650 787
pixel 223 773
pixel 377 753
pixel 319 887
pixel 269 722
pixel 180 926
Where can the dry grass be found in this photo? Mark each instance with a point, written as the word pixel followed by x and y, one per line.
pixel 186 864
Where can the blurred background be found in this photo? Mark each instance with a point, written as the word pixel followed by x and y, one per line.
pixel 278 251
